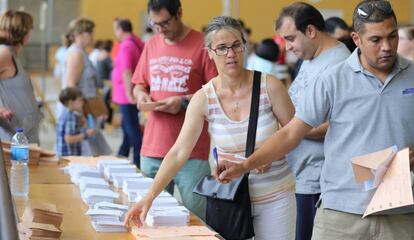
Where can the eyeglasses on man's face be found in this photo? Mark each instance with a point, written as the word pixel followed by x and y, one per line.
pixel 223 50
pixel 366 9
pixel 162 24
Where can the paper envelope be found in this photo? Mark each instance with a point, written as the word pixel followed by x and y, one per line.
pixel 392 176
pixel 373 166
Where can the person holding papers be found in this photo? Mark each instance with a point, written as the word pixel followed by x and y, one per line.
pixel 225 103
pixel 368 101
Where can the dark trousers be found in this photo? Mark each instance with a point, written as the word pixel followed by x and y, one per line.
pixel 132 132
pixel 306 211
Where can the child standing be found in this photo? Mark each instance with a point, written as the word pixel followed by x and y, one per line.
pixel 71 129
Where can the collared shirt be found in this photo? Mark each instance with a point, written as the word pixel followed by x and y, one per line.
pixel 306 159
pixel 365 116
pixel 68 125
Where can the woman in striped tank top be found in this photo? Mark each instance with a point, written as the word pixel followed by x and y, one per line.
pixel 225 103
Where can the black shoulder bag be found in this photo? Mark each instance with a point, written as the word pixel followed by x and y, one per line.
pixel 228 205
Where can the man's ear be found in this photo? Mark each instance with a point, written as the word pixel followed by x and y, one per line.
pixel 311 31
pixel 356 38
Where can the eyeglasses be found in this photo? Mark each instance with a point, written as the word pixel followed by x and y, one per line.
pixel 366 10
pixel 163 24
pixel 223 50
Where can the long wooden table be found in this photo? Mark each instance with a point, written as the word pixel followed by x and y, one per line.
pixel 50 184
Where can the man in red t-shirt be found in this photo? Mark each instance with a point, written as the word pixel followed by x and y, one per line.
pixel 172 67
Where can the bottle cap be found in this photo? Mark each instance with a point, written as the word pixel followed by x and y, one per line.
pixel 19 130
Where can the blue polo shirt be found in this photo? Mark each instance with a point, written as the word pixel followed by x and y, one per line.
pixel 307 158
pixel 365 116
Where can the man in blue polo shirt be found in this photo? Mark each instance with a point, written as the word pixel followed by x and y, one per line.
pixel 307 38
pixel 368 101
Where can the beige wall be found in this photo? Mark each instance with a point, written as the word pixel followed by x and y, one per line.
pixel 258 15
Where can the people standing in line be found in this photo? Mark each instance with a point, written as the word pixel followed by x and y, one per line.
pixel 18 105
pixel 368 101
pixel 303 28
pixel 129 52
pixel 225 103
pixel 264 59
pixel 72 127
pixel 80 73
pixel 149 32
pixel 104 63
pixel 104 68
pixel 406 42
pixel 337 28
pixel 172 67
pixel 93 56
pixel 60 57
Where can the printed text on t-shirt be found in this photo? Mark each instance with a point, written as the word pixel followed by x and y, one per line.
pixel 170 74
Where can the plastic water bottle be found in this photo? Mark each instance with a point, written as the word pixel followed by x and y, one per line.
pixel 19 174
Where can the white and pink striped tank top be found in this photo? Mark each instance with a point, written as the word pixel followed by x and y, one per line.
pixel 230 137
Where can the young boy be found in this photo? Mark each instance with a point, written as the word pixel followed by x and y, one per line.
pixel 71 129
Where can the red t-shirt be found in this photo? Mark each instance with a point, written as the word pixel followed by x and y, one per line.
pixel 172 70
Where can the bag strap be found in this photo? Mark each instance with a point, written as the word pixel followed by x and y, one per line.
pixel 254 114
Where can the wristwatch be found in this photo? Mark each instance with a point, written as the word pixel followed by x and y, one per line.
pixel 184 102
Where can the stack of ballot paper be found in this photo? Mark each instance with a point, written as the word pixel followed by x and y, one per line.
pixel 109 170
pixel 168 216
pixel 77 173
pixel 109 226
pixel 107 220
pixel 133 195
pixel 38 231
pixel 97 215
pixel 92 182
pixel 163 200
pixel 136 183
pixel 40 212
pixel 118 178
pixel 102 163
pixel 91 196
pixel 110 206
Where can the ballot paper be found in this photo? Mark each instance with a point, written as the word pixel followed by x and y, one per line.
pixel 172 232
pixel 138 194
pixel 124 168
pixel 77 173
pixel 91 182
pixel 134 184
pixel 109 226
pixel 389 172
pixel 97 215
pixel 118 178
pixel 167 201
pixel 91 196
pixel 102 163
pixel 110 206
pixel 168 216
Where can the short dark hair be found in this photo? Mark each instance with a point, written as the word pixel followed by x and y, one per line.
pixel 125 24
pixel 349 42
pixel 107 45
pixel 268 49
pixel 303 15
pixel 335 22
pixel 98 44
pixel 171 6
pixel 69 94
pixel 371 11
